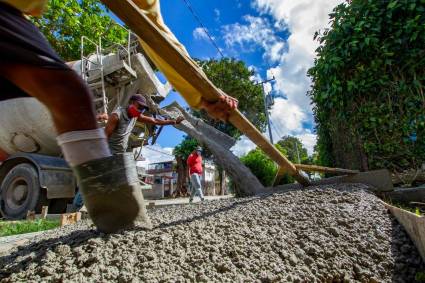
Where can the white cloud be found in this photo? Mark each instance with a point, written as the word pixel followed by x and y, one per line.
pixel 155 153
pixel 267 88
pixel 292 58
pixel 242 146
pixel 302 18
pixel 309 141
pixel 256 31
pixel 200 34
pixel 287 117
pixel 255 78
pixel 217 15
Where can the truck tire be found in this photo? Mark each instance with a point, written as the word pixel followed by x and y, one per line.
pixel 20 191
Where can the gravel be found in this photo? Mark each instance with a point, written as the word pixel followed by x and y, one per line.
pixel 338 233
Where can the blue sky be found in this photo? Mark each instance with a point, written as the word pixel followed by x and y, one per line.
pixel 274 37
pixel 214 15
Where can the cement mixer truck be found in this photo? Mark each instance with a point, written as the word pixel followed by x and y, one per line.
pixel 32 170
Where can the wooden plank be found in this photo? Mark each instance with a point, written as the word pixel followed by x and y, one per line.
pixel 322 169
pixel 379 182
pixel 30 215
pixel 313 168
pixel 279 175
pixel 139 23
pixel 44 210
pixel 69 218
pixel 413 224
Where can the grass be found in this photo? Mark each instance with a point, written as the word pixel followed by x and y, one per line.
pixel 420 277
pixel 409 207
pixel 26 226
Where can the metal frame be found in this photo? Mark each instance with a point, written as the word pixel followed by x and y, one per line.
pixel 100 51
pixel 85 69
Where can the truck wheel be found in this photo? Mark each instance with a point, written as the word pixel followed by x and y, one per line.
pixel 20 191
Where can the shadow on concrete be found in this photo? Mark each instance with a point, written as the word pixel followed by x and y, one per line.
pixel 36 251
pixel 209 213
pixel 407 260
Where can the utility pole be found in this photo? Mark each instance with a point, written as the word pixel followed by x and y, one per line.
pixel 298 154
pixel 265 106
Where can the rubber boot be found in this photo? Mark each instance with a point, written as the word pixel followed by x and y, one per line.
pixel 112 194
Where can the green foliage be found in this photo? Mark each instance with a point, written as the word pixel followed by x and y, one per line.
pixel 420 277
pixel 233 77
pixel 261 166
pixel 291 145
pixel 65 21
pixel 368 86
pixel 22 227
pixel 185 148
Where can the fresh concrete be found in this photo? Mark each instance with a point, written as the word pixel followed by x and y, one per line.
pixel 10 242
pixel 182 201
pixel 338 233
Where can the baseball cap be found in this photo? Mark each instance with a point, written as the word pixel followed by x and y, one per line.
pixel 140 99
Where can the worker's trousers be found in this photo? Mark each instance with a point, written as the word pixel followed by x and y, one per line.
pixel 196 186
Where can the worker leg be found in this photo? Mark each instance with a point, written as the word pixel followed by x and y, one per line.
pixel 85 147
pixel 192 190
pixel 196 181
pixel 78 201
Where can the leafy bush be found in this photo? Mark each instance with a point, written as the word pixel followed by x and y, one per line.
pixel 263 167
pixel 368 86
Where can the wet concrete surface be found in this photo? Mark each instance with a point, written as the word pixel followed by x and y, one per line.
pixel 338 233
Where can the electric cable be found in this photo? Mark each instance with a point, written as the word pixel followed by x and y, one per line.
pixel 192 11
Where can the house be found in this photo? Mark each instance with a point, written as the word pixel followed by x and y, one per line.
pixel 162 177
pixel 209 176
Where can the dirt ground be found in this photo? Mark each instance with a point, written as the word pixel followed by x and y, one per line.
pixel 337 233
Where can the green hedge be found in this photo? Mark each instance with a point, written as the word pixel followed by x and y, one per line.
pixel 368 86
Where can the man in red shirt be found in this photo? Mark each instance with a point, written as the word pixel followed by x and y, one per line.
pixel 194 163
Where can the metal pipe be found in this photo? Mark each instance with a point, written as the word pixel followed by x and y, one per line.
pixel 105 108
pixel 128 50
pixel 82 58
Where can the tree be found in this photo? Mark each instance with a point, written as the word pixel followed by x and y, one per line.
pixel 295 150
pixel 66 21
pixel 234 78
pixel 182 152
pixel 368 86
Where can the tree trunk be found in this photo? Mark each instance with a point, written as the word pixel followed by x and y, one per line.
pixel 181 176
pixel 223 187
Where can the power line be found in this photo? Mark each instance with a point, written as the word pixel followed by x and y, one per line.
pixel 279 130
pixel 276 130
pixel 159 151
pixel 192 11
pixel 189 6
